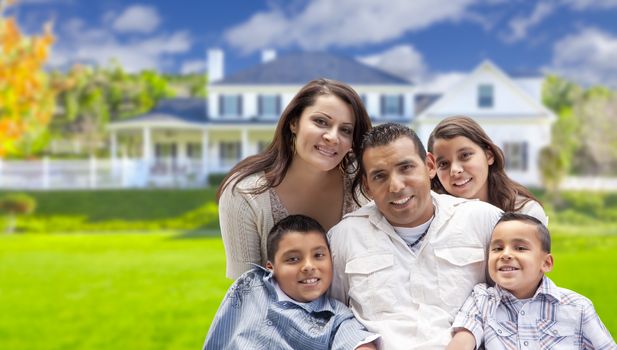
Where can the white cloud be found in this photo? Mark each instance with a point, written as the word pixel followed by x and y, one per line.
pixel 588 57
pixel 591 4
pixel 79 42
pixel 344 23
pixel 402 60
pixel 193 66
pixel 440 83
pixel 137 19
pixel 519 26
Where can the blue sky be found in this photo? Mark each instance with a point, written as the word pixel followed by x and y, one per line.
pixel 432 41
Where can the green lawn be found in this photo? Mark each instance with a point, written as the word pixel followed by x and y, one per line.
pixel 120 291
pixel 161 290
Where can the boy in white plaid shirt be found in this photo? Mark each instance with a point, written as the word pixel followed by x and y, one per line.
pixel 525 309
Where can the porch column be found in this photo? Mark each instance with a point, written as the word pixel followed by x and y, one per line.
pixel 146 157
pixel 113 142
pixel 147 145
pixel 245 143
pixel 205 139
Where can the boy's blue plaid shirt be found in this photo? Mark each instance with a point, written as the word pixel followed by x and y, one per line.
pixel 554 318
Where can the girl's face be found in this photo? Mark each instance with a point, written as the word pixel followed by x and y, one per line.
pixel 462 167
pixel 324 133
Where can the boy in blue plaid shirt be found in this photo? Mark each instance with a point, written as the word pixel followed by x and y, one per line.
pixel 285 306
pixel 525 309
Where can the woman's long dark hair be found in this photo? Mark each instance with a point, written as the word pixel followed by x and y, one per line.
pixel 276 158
pixel 502 191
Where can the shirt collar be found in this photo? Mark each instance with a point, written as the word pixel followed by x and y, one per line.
pixel 546 288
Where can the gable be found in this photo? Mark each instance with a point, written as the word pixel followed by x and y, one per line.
pixel 508 97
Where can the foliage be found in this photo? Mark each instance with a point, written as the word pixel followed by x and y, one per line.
pixel 26 97
pixel 14 204
pixel 215 179
pixel 597 114
pixel 115 210
pixel 17 204
pixel 193 85
pixel 583 138
pixel 92 97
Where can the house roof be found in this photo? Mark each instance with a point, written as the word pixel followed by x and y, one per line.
pixel 301 67
pixel 188 110
pixel 423 101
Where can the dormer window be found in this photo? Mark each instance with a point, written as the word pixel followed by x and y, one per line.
pixel 485 96
pixel 392 105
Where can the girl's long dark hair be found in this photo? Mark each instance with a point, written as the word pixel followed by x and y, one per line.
pixel 276 158
pixel 502 191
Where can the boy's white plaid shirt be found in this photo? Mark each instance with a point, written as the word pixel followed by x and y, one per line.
pixel 554 318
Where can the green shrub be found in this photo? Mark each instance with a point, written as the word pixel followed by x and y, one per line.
pixel 590 203
pixel 17 204
pixel 215 179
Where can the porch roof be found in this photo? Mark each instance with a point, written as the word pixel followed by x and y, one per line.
pixel 183 110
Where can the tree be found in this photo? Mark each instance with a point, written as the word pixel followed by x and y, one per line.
pixel 556 159
pixel 26 97
pixel 597 113
pixel 91 97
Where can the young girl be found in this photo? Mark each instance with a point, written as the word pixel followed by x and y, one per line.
pixel 470 165
pixel 307 169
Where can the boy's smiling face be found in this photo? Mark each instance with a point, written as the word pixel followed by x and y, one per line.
pixel 302 265
pixel 516 261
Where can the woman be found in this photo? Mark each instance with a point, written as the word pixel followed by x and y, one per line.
pixel 305 170
pixel 470 165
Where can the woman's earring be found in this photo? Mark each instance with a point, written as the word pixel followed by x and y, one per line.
pixel 293 143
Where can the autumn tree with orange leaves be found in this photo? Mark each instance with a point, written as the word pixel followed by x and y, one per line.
pixel 26 97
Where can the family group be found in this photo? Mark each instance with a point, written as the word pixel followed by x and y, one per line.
pixel 341 235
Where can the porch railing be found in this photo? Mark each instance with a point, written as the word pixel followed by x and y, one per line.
pixel 101 173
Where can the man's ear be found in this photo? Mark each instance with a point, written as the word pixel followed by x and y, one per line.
pixel 365 186
pixel 430 165
pixel 547 264
pixel 269 265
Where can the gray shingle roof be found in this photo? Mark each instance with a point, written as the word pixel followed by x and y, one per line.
pixel 301 67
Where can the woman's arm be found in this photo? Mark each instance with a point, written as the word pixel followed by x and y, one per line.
pixel 240 231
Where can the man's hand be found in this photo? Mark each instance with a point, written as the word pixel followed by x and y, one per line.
pixel 462 340
pixel 369 346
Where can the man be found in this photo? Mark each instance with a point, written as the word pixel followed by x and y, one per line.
pixel 406 262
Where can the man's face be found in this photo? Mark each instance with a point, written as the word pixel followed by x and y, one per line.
pixel 399 182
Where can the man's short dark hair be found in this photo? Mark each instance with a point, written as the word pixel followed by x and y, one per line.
pixel 292 223
pixel 382 135
pixel 541 231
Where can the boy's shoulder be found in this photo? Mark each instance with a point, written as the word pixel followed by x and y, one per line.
pixel 566 296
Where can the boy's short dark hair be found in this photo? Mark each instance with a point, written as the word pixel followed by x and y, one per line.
pixel 292 223
pixel 382 135
pixel 541 231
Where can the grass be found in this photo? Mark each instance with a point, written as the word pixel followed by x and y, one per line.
pixel 117 291
pixel 161 290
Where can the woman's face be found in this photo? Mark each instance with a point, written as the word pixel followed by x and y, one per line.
pixel 324 133
pixel 462 167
